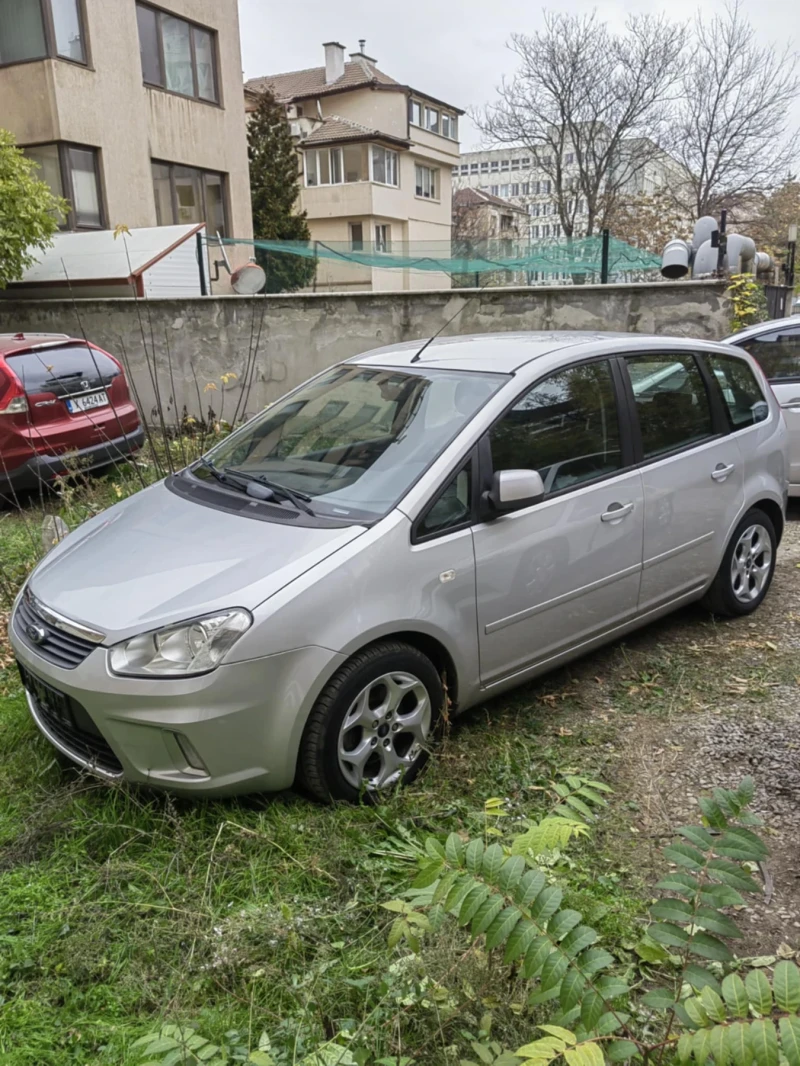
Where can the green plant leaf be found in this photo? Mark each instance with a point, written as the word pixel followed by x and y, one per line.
pixel 611 987
pixel 511 872
pixel 520 940
pixel 442 890
pixel 758 991
pixel 735 995
pixel 694 1008
pixel 683 884
pixel 739 1049
pixel 429 873
pixel 695 834
pixel 671 910
pixel 764 1042
pixel 578 940
pixel 571 989
pixel 719 1047
pixel 709 918
pixel 455 850
pixel 473 856
pixel 557 1031
pixel 502 927
pixel 649 951
pixel 701 1045
pixel 720 896
pixel 562 923
pixel 685 855
pixel 578 805
pixel 555 966
pixel 593 1006
pixel 620 1050
pixel 670 935
pixel 731 874
pixel 709 947
pixel 536 955
pixel 593 961
pixel 746 791
pixel 472 902
pixel 435 849
pixel 742 844
pixel 455 897
pixel 786 986
pixel 659 999
pixel 684 1048
pixel 529 888
pixel 611 1021
pixel 486 914
pixel 713 1005
pixel 790 1039
pixel 584 1055
pixel 546 904
pixel 699 977
pixel 712 813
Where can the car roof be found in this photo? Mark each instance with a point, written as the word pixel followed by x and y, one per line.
pixel 505 353
pixel 10 343
pixel 763 327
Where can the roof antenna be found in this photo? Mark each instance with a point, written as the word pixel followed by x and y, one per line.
pixel 415 358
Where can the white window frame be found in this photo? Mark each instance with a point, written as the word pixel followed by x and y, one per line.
pixel 317 152
pixel 449 125
pixel 420 107
pixel 383 237
pixel 431 125
pixel 495 164
pixel 392 164
pixel 515 188
pixel 426 176
pixel 504 164
pixel 504 191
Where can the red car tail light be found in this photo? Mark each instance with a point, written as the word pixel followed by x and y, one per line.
pixel 13 400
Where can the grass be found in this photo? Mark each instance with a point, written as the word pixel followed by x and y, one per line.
pixel 121 910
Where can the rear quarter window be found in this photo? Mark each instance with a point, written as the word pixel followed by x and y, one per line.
pixel 777 353
pixel 62 369
pixel 744 400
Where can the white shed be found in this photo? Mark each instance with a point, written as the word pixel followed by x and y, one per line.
pixel 148 262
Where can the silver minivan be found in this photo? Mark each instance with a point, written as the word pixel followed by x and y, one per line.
pixel 405 535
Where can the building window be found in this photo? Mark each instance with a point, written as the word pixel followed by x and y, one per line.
pixel 495 190
pixel 465 168
pixel 473 168
pixel 570 158
pixel 535 231
pixel 454 172
pixel 494 164
pixel 426 184
pixel 515 189
pixel 432 119
pixel 72 171
pixel 339 166
pixel 556 230
pixel 504 190
pixel 415 112
pixel 357 236
pixel 484 168
pixel 449 126
pixel 36 29
pixel 546 186
pixel 506 222
pixel 504 164
pixel 384 165
pixel 186 195
pixel 526 188
pixel 177 55
pixel 515 164
pixel 383 238
pixel 526 161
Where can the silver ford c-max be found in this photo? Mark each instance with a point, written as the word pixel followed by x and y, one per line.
pixel 401 537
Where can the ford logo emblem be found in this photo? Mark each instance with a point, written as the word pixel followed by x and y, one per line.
pixel 36 634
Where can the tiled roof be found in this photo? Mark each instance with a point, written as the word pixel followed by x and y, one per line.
pixel 477 197
pixel 300 84
pixel 335 129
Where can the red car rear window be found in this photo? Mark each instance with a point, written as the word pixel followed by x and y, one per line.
pixel 62 369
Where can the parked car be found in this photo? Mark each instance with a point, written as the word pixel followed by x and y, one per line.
pixel 404 533
pixel 775 346
pixel 64 403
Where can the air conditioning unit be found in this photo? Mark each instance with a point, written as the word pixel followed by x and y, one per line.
pixel 294 127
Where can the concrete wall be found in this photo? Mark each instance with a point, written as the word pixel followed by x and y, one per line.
pixel 295 336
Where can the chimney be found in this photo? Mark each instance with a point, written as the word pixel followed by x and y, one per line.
pixel 361 54
pixel 334 61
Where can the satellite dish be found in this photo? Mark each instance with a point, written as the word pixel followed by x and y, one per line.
pixel 54 529
pixel 248 279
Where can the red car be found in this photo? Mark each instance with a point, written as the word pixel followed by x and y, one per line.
pixel 63 403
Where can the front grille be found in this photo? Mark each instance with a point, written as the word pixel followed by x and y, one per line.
pixel 68 722
pixel 57 647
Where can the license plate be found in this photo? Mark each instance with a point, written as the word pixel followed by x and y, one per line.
pixel 87 403
pixel 53 704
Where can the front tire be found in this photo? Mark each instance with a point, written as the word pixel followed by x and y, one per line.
pixel 372 725
pixel 745 574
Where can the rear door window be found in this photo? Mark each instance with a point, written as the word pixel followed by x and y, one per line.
pixel 671 402
pixel 64 370
pixel 776 352
pixel 744 400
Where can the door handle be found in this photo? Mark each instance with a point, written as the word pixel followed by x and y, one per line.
pixel 792 405
pixel 720 471
pixel 616 512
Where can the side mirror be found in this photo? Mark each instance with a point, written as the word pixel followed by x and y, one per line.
pixel 514 489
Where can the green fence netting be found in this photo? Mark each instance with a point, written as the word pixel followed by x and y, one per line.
pixel 578 256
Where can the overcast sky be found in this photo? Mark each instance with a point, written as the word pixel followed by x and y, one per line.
pixel 453 49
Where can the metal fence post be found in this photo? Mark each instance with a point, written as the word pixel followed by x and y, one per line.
pixel 604 258
pixel 200 267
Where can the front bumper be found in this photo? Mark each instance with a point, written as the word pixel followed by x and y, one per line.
pixel 234 730
pixel 45 468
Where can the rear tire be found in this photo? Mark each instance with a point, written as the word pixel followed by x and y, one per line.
pixel 371 727
pixel 745 574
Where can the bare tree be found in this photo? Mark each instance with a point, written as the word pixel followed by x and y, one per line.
pixel 732 131
pixel 589 105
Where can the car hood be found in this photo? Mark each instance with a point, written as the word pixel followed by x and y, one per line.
pixel 157 558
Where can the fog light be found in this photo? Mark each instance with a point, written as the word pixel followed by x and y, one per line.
pixel 189 752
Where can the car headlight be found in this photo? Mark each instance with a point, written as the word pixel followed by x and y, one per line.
pixel 183 650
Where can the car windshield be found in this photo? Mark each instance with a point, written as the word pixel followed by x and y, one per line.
pixel 354 440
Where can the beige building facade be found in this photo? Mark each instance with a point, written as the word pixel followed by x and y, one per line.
pixel 375 169
pixel 132 111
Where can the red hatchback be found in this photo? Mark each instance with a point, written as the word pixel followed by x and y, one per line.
pixel 63 403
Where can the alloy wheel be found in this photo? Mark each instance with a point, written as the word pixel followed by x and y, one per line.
pixel 384 731
pixel 751 563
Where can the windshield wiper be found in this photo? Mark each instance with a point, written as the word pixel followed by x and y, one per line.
pixel 218 474
pixel 298 499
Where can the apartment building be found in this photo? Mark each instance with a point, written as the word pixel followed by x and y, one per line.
pixel 376 157
pixel 132 110
pixel 515 175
